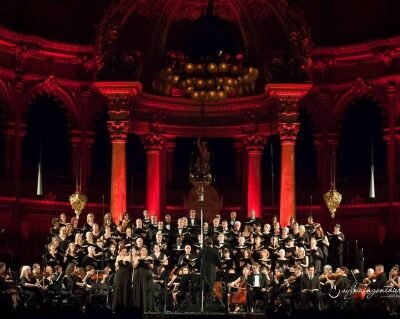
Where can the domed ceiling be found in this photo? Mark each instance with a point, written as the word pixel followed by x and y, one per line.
pixel 332 22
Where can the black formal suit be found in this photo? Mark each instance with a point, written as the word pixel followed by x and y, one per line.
pixel 209 261
pixel 255 289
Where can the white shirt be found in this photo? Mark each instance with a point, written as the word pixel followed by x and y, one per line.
pixel 256 280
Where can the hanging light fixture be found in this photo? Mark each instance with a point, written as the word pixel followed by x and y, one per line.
pixel 372 179
pixel 332 197
pixel 78 200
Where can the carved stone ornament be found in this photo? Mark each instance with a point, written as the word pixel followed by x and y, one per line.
pixel 118 129
pixel 153 141
pixel 288 131
pixel 255 142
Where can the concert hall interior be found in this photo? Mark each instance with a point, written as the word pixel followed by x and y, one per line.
pixel 244 145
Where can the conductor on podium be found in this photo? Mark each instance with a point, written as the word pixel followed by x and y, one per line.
pixel 210 260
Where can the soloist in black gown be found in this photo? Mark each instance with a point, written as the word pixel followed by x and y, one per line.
pixel 143 287
pixel 122 287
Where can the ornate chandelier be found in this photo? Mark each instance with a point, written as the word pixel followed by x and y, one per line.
pixel 207 81
pixel 333 197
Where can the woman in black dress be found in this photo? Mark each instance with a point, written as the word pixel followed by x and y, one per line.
pixel 122 283
pixel 143 286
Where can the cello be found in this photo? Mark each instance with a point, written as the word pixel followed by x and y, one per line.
pixel 239 297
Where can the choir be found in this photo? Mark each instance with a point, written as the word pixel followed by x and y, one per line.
pixel 156 266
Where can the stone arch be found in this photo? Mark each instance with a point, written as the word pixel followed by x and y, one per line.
pixel 51 87
pixel 360 89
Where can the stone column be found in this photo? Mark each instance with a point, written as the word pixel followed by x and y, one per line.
pixel 118 133
pixel 119 96
pixel 254 147
pixel 288 95
pixel 288 133
pixel 153 144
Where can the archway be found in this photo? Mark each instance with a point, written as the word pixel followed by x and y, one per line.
pixel 47 138
pixel 361 136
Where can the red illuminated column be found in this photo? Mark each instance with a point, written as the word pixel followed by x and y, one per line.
pixel 288 95
pixel 118 132
pixel 119 96
pixel 153 144
pixel 288 133
pixel 254 147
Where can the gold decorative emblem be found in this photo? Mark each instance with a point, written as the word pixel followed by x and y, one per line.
pixel 78 202
pixel 332 199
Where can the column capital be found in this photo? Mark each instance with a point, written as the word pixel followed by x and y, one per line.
pixel 255 142
pixel 153 141
pixel 118 130
pixel 118 93
pixel 288 132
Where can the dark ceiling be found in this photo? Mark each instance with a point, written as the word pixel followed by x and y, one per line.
pixel 332 22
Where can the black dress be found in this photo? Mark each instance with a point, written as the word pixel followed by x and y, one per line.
pixel 143 287
pixel 122 287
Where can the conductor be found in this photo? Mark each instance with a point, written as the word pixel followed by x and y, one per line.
pixel 210 260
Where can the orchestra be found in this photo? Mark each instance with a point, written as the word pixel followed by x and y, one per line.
pixel 250 266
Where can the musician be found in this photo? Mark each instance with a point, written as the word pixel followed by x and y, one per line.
pixel 90 258
pixel 52 257
pixel 342 281
pixel 232 219
pixel 293 288
pixel 111 255
pixel 282 262
pixel 252 218
pixel 264 259
pixel 257 288
pixel 310 226
pixel 89 223
pixel 267 233
pixel 63 219
pixel 316 256
pixel 322 242
pixel 310 287
pixel 122 282
pixel 378 279
pixel 30 287
pixel 146 219
pixel 193 221
pixel 158 256
pixel 180 231
pixel 55 227
pixel 167 222
pixel 240 289
pixel 187 258
pixel 302 239
pixel 336 240
pixel 221 244
pixel 227 262
pixel 394 278
pixel 143 285
pixel 257 247
pixel 70 255
pixel 210 260
pixel 8 293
